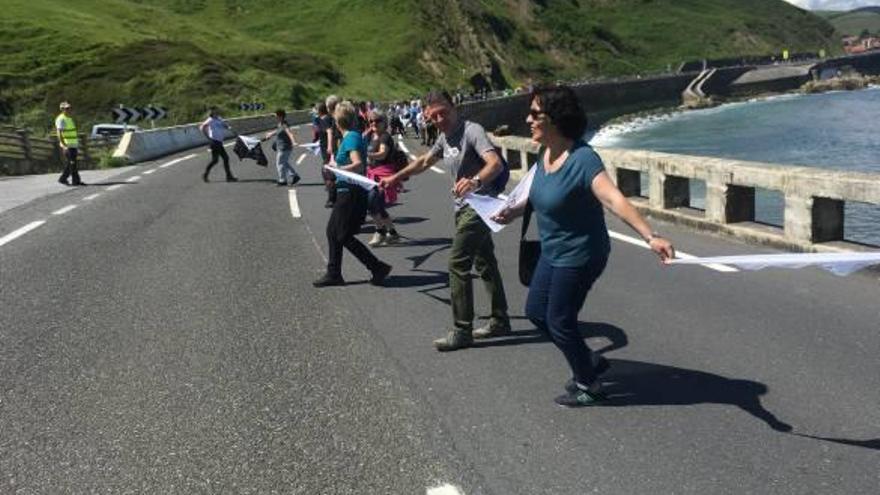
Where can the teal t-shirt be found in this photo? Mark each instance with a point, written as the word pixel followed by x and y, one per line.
pixel 570 217
pixel 351 141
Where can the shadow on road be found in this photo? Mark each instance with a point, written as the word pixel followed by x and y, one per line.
pixel 107 183
pixel 616 336
pixel 636 383
pixel 867 444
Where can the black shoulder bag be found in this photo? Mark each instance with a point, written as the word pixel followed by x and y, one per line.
pixel 529 251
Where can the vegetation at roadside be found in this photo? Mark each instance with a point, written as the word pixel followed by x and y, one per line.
pixel 191 54
pixel 855 22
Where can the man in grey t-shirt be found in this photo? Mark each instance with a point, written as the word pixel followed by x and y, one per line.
pixel 465 149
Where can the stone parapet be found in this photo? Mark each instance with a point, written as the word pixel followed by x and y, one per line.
pixel 814 198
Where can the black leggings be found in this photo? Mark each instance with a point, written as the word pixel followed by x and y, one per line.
pixel 217 152
pixel 345 221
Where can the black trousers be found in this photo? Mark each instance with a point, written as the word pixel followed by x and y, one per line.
pixel 345 221
pixel 70 166
pixel 217 152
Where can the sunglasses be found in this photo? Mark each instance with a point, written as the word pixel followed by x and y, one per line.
pixel 536 114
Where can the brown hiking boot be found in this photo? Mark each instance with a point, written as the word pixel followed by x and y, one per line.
pixel 454 340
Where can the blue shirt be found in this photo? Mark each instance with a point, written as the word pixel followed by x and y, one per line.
pixel 570 217
pixel 352 141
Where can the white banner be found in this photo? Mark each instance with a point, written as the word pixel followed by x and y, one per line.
pixel 836 263
pixel 354 178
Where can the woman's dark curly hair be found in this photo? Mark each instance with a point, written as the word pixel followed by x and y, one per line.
pixel 562 107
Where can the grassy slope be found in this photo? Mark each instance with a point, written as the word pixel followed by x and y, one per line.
pixel 188 54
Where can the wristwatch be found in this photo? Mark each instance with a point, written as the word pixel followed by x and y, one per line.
pixel 476 179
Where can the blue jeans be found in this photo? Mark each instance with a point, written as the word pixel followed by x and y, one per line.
pixel 282 163
pixel 556 296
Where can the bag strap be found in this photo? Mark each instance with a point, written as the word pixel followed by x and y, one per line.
pixel 527 217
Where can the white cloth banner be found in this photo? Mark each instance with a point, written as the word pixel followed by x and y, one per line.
pixel 354 178
pixel 487 206
pixel 315 148
pixel 836 263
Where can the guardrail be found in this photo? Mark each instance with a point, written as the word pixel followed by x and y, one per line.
pixel 22 153
pixel 147 145
pixel 814 198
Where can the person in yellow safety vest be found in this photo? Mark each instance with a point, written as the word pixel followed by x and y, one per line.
pixel 69 142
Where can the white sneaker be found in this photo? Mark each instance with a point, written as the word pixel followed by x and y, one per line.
pixel 377 239
pixel 392 238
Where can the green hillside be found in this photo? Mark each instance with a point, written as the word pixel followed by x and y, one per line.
pixel 189 54
pixel 853 23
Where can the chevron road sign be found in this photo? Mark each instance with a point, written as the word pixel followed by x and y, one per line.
pixel 126 115
pixel 252 106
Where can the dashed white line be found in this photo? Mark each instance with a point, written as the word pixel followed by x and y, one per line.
pixel 20 232
pixel 64 210
pixel 403 146
pixel 642 244
pixel 301 158
pixel 178 160
pixel 294 205
pixel 91 197
pixel 148 172
pixel 114 187
pixel 133 179
pixel 437 169
pixel 445 490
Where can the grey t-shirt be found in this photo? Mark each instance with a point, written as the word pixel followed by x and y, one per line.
pixel 461 151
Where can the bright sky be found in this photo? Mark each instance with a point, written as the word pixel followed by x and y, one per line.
pixel 834 4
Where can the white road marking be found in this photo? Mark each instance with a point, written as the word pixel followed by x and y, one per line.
pixel 642 244
pixel 301 158
pixel 20 232
pixel 91 197
pixel 434 168
pixel 64 210
pixel 178 160
pixel 403 146
pixel 148 172
pixel 445 490
pixel 294 205
pixel 133 179
pixel 115 186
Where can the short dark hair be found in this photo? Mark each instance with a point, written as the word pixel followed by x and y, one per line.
pixel 441 97
pixel 322 108
pixel 563 108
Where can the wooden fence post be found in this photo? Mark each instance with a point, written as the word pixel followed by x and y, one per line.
pixel 26 145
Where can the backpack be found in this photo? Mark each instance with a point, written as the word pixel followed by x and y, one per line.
pixel 396 157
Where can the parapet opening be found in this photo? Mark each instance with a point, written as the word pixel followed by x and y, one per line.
pixel 769 207
pixel 860 219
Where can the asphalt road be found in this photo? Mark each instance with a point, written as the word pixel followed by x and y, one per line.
pixel 164 337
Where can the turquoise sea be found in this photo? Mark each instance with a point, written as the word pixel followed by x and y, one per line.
pixel 838 130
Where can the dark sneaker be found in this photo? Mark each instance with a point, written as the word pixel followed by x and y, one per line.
pixel 581 398
pixel 231 179
pixel 328 281
pixel 489 331
pixel 294 180
pixel 600 366
pixel 205 177
pixel 281 183
pixel 456 339
pixel 380 274
pixel 80 183
pixel 63 181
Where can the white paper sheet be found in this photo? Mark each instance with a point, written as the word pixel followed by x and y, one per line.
pixel 354 178
pixel 520 193
pixel 836 263
pixel 486 207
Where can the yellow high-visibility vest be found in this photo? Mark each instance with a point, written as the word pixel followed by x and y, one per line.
pixel 68 133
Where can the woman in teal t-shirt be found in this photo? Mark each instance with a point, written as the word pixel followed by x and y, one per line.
pixel 568 193
pixel 350 207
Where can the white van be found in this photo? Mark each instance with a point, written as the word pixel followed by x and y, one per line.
pixel 112 131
